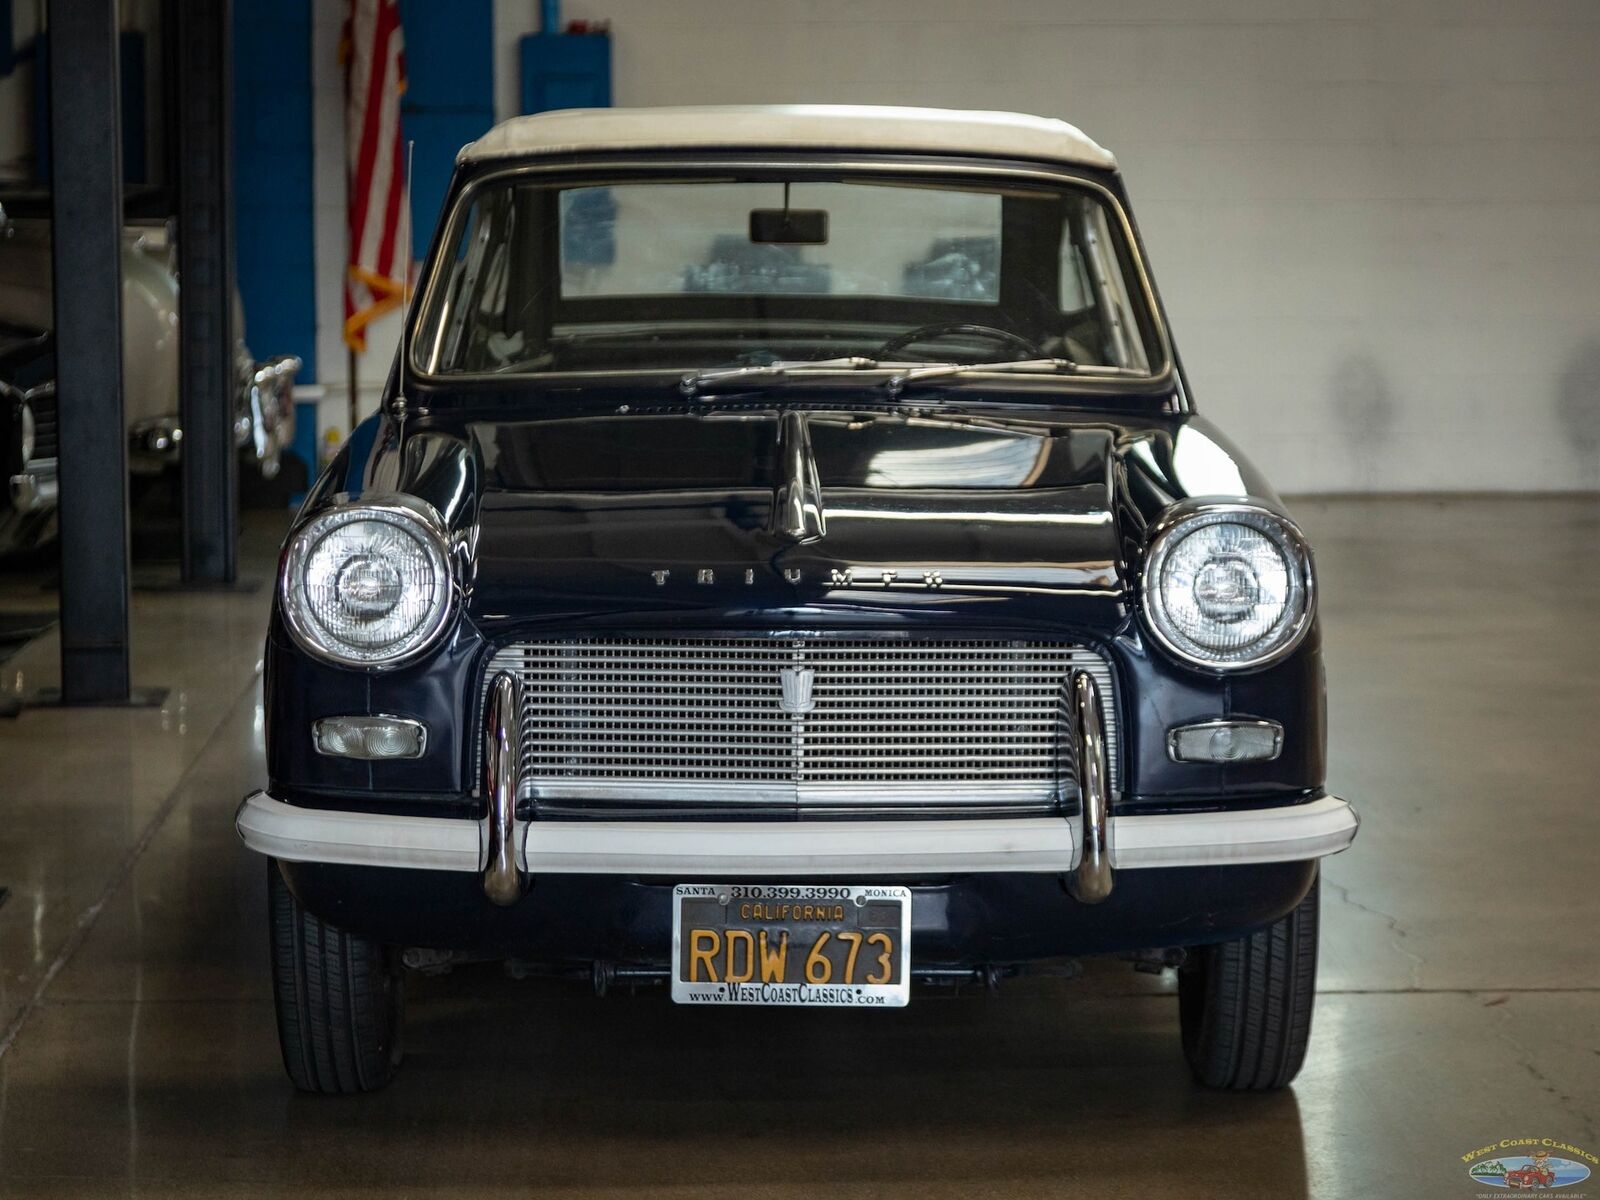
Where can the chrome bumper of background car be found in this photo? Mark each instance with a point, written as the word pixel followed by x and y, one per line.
pixel 263 420
pixel 822 849
pixel 35 489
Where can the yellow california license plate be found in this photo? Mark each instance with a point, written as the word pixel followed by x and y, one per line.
pixel 791 944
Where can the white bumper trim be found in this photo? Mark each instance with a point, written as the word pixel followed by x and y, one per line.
pixel 822 848
pixel 297 834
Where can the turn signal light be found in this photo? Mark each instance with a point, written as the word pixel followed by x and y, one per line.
pixel 370 737
pixel 1228 741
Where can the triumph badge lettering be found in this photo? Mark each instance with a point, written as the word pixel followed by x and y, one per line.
pixel 931 579
pixel 797 689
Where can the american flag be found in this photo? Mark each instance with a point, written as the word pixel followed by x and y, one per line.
pixel 374 78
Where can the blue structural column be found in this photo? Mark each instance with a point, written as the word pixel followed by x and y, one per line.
pixel 86 206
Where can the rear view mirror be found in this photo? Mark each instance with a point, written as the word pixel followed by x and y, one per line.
pixel 789 226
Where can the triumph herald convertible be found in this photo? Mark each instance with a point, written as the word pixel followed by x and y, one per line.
pixel 788 567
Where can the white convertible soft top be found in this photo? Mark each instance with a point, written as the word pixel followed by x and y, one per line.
pixel 852 127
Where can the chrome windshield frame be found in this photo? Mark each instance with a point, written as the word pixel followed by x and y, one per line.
pixel 428 324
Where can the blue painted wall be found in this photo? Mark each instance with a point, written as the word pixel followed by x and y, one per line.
pixel 565 70
pixel 449 101
pixel 272 181
pixel 449 97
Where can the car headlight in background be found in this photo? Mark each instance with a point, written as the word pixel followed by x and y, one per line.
pixel 1228 586
pixel 368 584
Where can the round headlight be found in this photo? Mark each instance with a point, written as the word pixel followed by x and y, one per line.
pixel 1228 586
pixel 368 585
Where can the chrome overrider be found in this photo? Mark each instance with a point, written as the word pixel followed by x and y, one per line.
pixel 1091 881
pixel 502 880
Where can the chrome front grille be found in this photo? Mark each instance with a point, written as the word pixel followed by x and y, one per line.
pixel 42 403
pixel 818 722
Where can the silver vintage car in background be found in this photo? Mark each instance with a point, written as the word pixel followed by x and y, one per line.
pixel 263 392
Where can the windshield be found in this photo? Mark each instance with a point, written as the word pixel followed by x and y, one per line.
pixel 698 273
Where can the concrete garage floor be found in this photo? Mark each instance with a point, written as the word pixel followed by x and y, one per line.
pixel 1460 975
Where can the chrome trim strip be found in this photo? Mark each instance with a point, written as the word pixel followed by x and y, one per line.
pixel 817 849
pixel 884 794
pixel 502 879
pixel 1091 881
pixel 797 497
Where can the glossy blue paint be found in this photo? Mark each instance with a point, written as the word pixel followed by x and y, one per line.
pixel 532 526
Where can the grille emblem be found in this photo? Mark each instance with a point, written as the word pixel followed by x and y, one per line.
pixel 797 689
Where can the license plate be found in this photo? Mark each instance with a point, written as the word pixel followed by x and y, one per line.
pixel 791 944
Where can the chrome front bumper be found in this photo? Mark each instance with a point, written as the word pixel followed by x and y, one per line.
pixel 1086 848
pixel 824 849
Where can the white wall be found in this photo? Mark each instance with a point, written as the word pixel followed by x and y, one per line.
pixel 1375 223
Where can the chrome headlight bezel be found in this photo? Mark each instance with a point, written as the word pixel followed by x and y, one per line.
pixel 412 516
pixel 1189 516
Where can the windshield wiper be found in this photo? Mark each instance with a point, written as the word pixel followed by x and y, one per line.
pixel 900 380
pixel 697 381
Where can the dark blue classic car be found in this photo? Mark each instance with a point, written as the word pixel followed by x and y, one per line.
pixel 788 568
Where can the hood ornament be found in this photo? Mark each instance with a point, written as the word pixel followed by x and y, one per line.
pixel 796 493
pixel 797 683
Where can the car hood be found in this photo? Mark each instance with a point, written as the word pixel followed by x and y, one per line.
pixel 732 516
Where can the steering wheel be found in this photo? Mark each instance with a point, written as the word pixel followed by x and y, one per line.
pixel 926 333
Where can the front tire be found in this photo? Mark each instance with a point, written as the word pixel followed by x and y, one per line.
pixel 1245 1005
pixel 340 999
